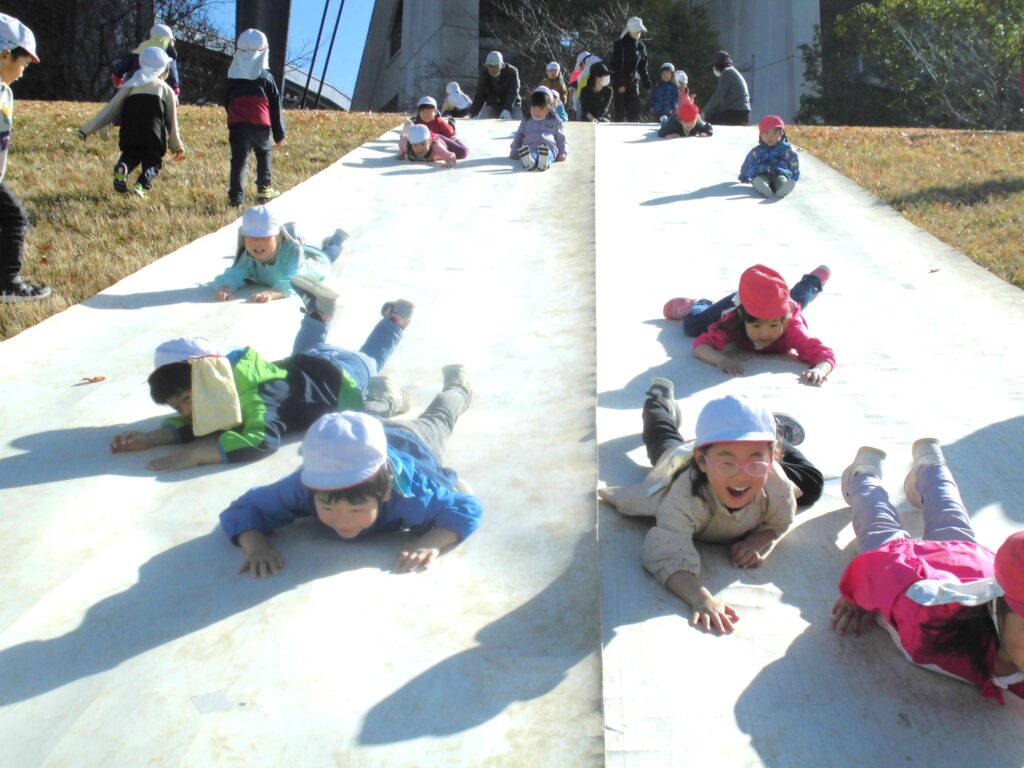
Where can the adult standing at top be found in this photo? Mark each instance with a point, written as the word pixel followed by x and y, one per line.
pixel 497 92
pixel 629 71
pixel 730 103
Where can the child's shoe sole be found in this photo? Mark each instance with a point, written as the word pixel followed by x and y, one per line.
pixel 677 309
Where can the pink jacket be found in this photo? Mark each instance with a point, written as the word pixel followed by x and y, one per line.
pixel 438 151
pixel 796 337
pixel 911 582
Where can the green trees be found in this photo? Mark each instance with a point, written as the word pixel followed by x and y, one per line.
pixel 948 63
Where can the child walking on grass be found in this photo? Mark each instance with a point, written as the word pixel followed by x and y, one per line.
pixel 271 254
pixel 766 319
pixel 252 402
pixel 255 117
pixel 540 136
pixel 359 477
pixel 147 110
pixel 727 487
pixel 948 602
pixel 772 167
pixel 17 51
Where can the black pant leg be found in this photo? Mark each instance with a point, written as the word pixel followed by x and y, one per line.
pixel 696 323
pixel 804 475
pixel 633 106
pixel 13 228
pixel 150 168
pixel 660 431
pixel 239 140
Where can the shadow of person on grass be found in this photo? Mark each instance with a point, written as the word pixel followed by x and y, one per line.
pixel 180 591
pixel 521 656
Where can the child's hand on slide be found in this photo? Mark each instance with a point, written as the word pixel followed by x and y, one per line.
pixel 262 562
pixel 746 554
pixel 848 616
pixel 813 376
pixel 222 294
pixel 412 559
pixel 561 158
pixel 262 297
pixel 730 365
pixel 712 613
pixel 129 441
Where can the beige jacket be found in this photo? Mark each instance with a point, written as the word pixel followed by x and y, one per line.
pixel 682 517
pixel 112 111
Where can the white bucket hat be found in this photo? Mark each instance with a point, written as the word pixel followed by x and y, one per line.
pixel 251 56
pixel 153 62
pixel 634 25
pixel 260 221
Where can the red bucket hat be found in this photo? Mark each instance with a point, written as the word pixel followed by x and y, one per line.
pixel 770 121
pixel 763 293
pixel 1010 571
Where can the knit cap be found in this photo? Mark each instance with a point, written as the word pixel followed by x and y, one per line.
pixel 763 293
pixel 341 450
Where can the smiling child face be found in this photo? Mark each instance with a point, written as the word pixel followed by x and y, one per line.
pixel 728 466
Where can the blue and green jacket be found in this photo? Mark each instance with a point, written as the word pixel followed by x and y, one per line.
pixel 423 497
pixel 275 398
pixel 763 160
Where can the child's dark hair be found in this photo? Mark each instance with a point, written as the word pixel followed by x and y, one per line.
pixel 540 99
pixel 18 52
pixel 170 380
pixel 699 478
pixel 969 632
pixel 376 487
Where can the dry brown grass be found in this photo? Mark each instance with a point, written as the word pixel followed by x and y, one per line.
pixel 85 237
pixel 965 187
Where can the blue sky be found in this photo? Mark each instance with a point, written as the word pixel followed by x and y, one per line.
pixel 303 26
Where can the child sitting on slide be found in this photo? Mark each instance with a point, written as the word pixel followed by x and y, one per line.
pixel 540 136
pixel 726 487
pixel 772 167
pixel 947 601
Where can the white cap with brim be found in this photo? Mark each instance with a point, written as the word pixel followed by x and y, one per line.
pixel 342 450
pixel 494 59
pixel 260 221
pixel 553 65
pixel 634 25
pixel 418 134
pixel 14 34
pixel 427 101
pixel 182 349
pixel 161 30
pixel 681 77
pixel 668 65
pixel 153 62
pixel 735 418
pixel 251 56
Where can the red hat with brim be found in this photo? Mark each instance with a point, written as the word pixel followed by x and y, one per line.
pixel 770 121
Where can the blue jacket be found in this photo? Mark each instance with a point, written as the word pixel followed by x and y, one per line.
pixel 664 98
pixel 764 160
pixel 423 496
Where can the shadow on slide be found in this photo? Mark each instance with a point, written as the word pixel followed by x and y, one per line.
pixel 179 591
pixel 521 656
pixel 986 465
pixel 200 294
pixel 66 454
pixel 732 190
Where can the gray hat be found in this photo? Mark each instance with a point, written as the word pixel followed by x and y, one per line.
pixel 494 59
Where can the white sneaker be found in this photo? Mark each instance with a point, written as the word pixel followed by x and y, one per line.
pixel 526 158
pixel 317 298
pixel 543 157
pixel 667 390
pixel 926 452
pixel 761 186
pixel 868 461
pixel 383 388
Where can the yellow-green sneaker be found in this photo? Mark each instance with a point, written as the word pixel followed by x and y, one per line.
pixel 138 190
pixel 266 193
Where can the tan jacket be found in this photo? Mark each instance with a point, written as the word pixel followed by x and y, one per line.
pixel 682 517
pixel 112 111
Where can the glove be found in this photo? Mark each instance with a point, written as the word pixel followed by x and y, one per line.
pixel 505 115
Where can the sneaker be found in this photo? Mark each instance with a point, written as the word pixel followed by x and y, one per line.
pixel 823 273
pixel 19 290
pixel 317 299
pixel 121 178
pixel 783 186
pixel 666 390
pixel 383 388
pixel 677 309
pixel 868 461
pixel 762 187
pixel 543 157
pixel 399 310
pixel 236 202
pixel 788 429
pixel 526 158
pixel 265 193
pixel 926 452
pixel 139 191
pixel 337 239
pixel 455 375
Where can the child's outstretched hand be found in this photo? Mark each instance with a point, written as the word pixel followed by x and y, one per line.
pixel 413 559
pixel 730 365
pixel 847 616
pixel 179 156
pixel 561 158
pixel 450 162
pixel 223 294
pixel 817 374
pixel 129 441
pixel 712 613
pixel 261 297
pixel 261 559
pixel 746 553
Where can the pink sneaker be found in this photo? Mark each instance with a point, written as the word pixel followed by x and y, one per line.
pixel 677 309
pixel 823 273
